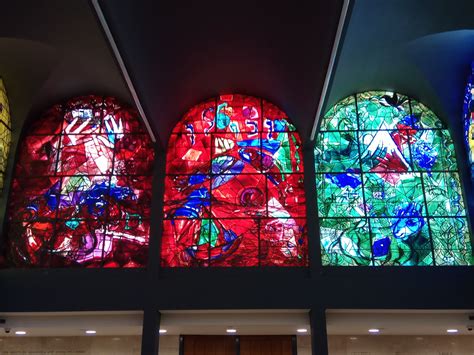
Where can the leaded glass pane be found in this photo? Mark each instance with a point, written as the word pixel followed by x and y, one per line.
pixel 5 132
pixel 468 117
pixel 81 192
pixel 234 191
pixel 388 189
pixel 345 241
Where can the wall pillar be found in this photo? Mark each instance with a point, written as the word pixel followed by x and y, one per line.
pixel 150 332
pixel 319 338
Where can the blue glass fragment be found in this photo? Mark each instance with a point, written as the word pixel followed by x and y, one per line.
pixel 411 120
pixel 271 145
pixel 279 125
pixel 222 119
pixel 343 180
pixel 408 222
pixel 51 196
pixel 196 179
pixel 381 247
pixel 424 154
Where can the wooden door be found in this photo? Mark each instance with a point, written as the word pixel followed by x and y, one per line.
pixel 266 345
pixel 209 345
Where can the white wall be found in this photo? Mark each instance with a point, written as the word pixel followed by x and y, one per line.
pixel 402 345
pixel 169 345
pixel 303 343
pixel 93 345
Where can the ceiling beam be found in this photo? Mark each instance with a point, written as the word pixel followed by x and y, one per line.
pixel 332 61
pixel 123 68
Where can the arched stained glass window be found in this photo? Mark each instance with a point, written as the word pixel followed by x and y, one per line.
pixel 234 187
pixel 388 189
pixel 468 111
pixel 82 188
pixel 5 132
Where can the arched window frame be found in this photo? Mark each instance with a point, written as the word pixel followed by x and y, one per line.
pixel 355 238
pixel 100 206
pixel 240 120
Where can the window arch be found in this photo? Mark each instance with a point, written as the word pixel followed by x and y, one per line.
pixel 234 191
pixel 388 189
pixel 81 190
pixel 5 132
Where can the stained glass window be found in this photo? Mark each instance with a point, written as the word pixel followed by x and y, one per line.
pixel 5 131
pixel 388 190
pixel 234 191
pixel 81 190
pixel 468 111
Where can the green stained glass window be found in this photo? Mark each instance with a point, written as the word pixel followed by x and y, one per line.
pixel 388 189
pixel 5 132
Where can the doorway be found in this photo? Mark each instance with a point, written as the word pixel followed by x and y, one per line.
pixel 238 345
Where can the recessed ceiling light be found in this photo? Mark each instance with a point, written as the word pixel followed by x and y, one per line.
pixel 20 332
pixel 353 338
pixel 451 330
pixel 91 331
pixel 374 330
pixel 163 331
pixel 302 330
pixel 231 330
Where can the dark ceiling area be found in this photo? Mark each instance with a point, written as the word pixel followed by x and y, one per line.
pixel 52 50
pixel 179 54
pixel 421 48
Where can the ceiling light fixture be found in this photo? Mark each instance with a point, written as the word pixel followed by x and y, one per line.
pixel 374 330
pixel 91 332
pixel 163 331
pixel 231 330
pixel 20 332
pixel 451 330
pixel 302 330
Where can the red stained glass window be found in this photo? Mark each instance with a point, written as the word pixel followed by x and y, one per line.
pixel 82 188
pixel 234 191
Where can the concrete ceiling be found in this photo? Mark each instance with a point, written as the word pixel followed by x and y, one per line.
pixel 52 51
pixel 179 54
pixel 421 48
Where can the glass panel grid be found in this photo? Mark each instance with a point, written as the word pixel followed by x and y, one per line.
pixel 385 180
pixel 234 192
pixel 84 170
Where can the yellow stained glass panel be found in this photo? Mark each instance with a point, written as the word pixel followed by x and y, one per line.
pixel 5 131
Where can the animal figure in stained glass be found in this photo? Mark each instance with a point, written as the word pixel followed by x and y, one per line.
pixel 388 189
pixel 82 188
pixel 234 187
